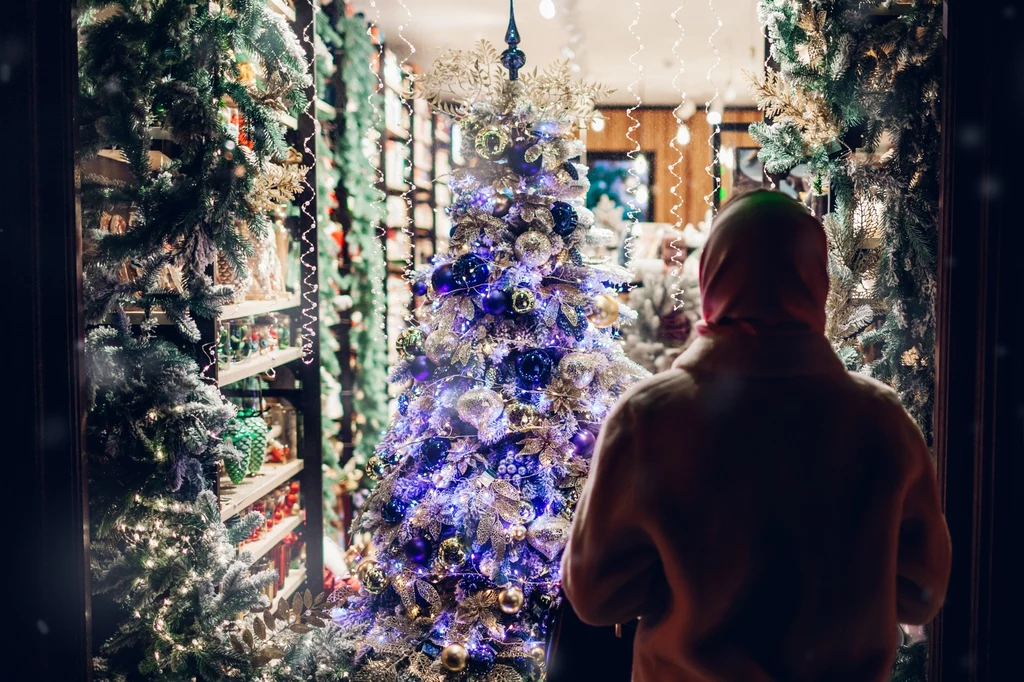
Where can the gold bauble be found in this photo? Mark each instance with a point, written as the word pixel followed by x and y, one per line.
pixel 523 301
pixel 451 553
pixel 577 369
pixel 538 654
pixel 454 657
pixel 502 205
pixel 440 347
pixel 533 249
pixel 606 311
pixel 491 143
pixel 518 532
pixel 372 577
pixel 410 343
pixel 521 416
pixel 479 406
pixel 375 468
pixel 511 599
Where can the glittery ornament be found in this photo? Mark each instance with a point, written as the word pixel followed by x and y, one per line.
pixel 577 369
pixel 419 288
pixel 480 406
pixel 372 577
pixel 518 532
pixel 394 510
pixel 495 302
pixel 417 550
pixel 375 468
pixel 451 553
pixel 538 655
pixel 526 512
pixel 583 442
pixel 570 168
pixel 403 404
pixel 521 416
pixel 470 271
pixel 516 156
pixel 511 599
pixel 491 143
pixel 533 249
pixel 454 658
pixel 409 343
pixel 565 217
pixel 523 301
pixel 434 450
pixel 502 205
pixel 442 279
pixel 419 368
pixel 515 467
pixel 534 368
pixel 440 346
pixel 548 535
pixel 606 311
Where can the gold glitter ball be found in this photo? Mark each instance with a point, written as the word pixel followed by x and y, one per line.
pixel 451 553
pixel 521 416
pixel 533 249
pixel 372 577
pixel 538 654
pixel 375 468
pixel 410 343
pixel 606 311
pixel 479 406
pixel 454 657
pixel 440 346
pixel 518 532
pixel 577 369
pixel 511 599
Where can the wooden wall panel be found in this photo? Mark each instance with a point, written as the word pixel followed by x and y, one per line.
pixel 657 129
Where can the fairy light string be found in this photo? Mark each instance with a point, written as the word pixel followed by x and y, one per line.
pixel 629 246
pixel 715 128
pixel 311 286
pixel 408 222
pixel 378 266
pixel 677 198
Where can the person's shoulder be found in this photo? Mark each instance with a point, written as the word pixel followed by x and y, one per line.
pixel 885 406
pixel 670 386
pixel 874 391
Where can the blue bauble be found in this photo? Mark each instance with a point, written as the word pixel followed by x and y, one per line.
pixel 583 442
pixel 470 271
pixel 443 279
pixel 565 217
pixel 394 510
pixel 419 288
pixel 517 159
pixel 417 550
pixel 495 302
pixel 419 368
pixel 534 368
pixel 434 450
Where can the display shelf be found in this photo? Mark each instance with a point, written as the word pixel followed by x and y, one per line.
pixel 235 498
pixel 258 307
pixel 257 365
pixel 325 108
pixel 282 8
pixel 396 132
pixel 271 539
pixel 296 577
pixel 288 120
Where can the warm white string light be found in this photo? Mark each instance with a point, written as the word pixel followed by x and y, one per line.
pixel 762 26
pixel 629 246
pixel 408 223
pixel 714 118
pixel 378 266
pixel 675 282
pixel 309 278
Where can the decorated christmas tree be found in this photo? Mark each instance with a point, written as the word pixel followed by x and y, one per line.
pixel 508 368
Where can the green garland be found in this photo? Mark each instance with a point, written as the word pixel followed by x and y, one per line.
pixel 160 551
pixel 365 282
pixel 852 76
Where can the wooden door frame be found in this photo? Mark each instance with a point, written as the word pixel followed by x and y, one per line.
pixel 979 411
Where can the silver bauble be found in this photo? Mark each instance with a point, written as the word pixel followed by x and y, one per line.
pixel 548 535
pixel 440 346
pixel 533 249
pixel 577 369
pixel 480 406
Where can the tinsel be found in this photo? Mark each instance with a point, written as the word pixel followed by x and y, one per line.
pixel 856 97
pixel 469 504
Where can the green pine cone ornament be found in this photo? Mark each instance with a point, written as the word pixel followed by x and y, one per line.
pixel 236 469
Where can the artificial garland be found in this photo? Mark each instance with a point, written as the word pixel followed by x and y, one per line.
pixel 160 552
pixel 855 97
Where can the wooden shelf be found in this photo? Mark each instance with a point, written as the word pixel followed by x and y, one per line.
pixel 235 498
pixel 272 538
pixel 259 307
pixel 325 108
pixel 257 365
pixel 282 8
pixel 292 584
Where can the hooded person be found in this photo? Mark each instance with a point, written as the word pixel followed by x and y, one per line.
pixel 766 514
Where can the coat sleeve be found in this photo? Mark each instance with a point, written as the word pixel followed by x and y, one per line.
pixel 610 563
pixel 924 553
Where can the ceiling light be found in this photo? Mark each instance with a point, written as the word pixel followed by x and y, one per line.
pixel 547 9
pixel 597 124
pixel 683 135
pixel 714 118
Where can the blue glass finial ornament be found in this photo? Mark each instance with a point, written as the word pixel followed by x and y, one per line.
pixel 513 58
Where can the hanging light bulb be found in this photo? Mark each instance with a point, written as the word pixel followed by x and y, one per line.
pixel 547 9
pixel 715 113
pixel 683 135
pixel 597 124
